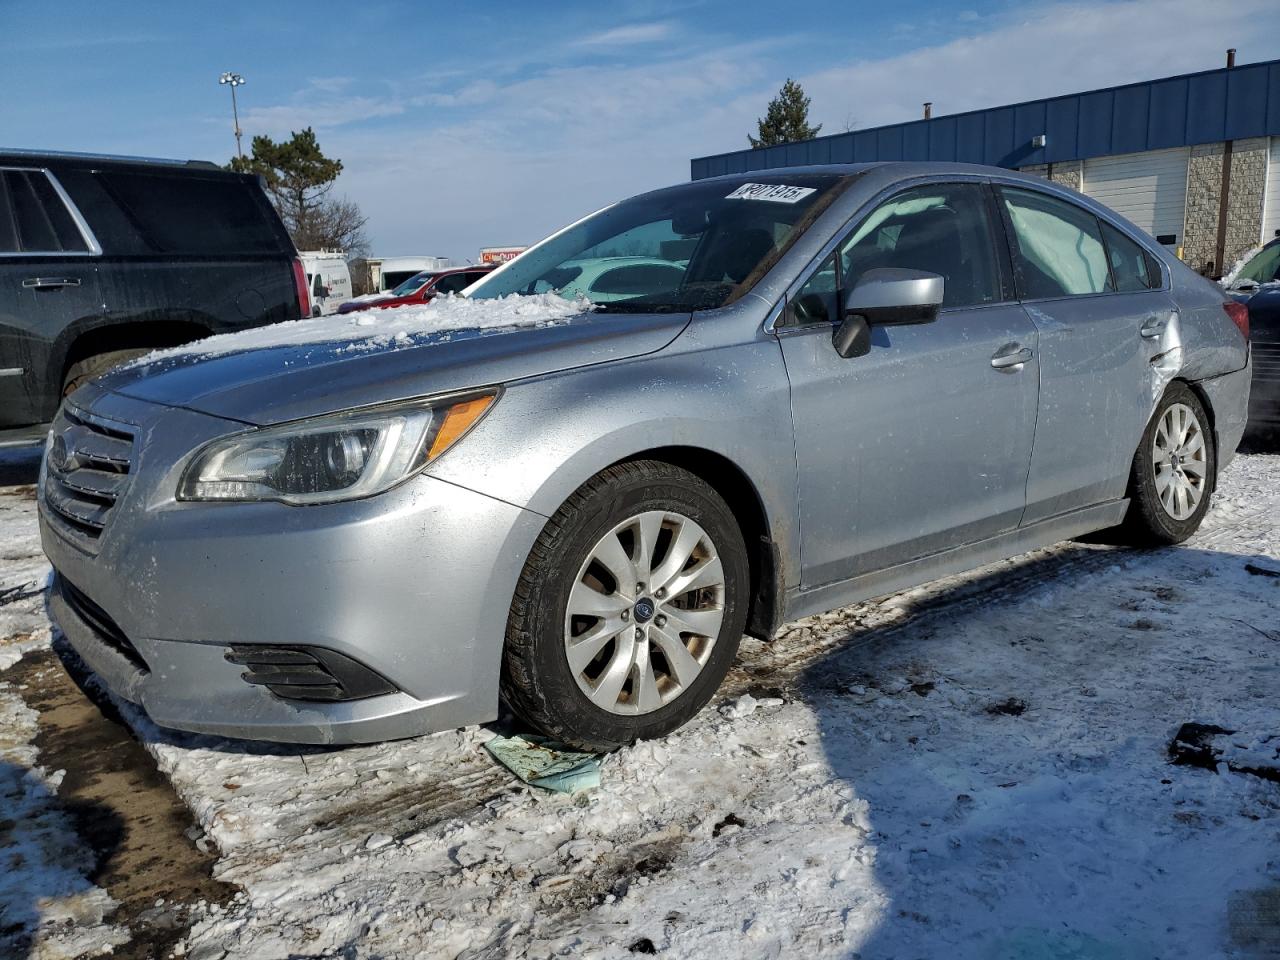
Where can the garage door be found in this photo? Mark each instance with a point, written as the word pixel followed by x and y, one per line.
pixel 1271 208
pixel 1148 188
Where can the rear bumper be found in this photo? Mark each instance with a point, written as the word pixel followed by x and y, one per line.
pixel 1228 397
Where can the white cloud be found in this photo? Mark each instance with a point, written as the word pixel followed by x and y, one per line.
pixel 628 35
pixel 500 161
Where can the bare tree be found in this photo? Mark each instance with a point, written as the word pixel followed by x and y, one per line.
pixel 333 224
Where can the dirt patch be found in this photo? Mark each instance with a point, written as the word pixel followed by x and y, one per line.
pixel 122 808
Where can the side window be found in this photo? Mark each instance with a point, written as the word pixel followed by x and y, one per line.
pixel 941 228
pixel 1129 267
pixel 8 226
pixel 1058 248
pixel 817 301
pixel 451 284
pixel 38 216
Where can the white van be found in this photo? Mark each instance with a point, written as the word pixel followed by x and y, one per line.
pixel 328 279
pixel 394 271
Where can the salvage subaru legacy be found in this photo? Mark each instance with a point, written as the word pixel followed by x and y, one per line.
pixel 801 388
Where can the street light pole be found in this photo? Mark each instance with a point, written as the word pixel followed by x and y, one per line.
pixel 234 80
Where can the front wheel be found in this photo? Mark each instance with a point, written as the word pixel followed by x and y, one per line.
pixel 629 610
pixel 1173 472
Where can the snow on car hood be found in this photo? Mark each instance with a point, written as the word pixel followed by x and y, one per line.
pixel 395 325
pixel 311 367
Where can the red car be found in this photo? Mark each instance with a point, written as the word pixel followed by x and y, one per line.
pixel 421 288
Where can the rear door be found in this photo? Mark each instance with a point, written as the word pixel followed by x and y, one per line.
pixel 922 444
pixel 1102 316
pixel 48 283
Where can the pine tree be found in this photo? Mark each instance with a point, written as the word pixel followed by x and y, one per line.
pixel 786 120
pixel 298 179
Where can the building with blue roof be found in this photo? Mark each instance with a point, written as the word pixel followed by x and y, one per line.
pixel 1193 159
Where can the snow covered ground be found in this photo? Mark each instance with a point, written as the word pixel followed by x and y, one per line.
pixel 973 769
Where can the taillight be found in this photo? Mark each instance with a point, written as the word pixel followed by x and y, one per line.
pixel 300 288
pixel 1239 314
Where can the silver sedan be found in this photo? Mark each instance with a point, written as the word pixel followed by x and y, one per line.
pixel 800 388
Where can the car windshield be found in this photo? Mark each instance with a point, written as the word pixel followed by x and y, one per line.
pixel 692 247
pixel 412 284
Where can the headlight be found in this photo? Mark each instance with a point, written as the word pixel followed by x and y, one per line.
pixel 338 457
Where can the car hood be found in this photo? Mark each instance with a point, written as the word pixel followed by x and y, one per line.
pixel 273 384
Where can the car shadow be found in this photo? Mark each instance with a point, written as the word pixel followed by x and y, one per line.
pixel 1010 741
pixel 53 851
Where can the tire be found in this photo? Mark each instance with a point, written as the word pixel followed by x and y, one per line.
pixel 1151 520
pixel 82 371
pixel 614 515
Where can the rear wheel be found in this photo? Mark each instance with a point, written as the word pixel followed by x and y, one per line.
pixel 82 371
pixel 629 610
pixel 1173 472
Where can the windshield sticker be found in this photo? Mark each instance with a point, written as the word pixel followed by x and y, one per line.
pixel 773 192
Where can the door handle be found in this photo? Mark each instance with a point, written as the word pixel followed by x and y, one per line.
pixel 1011 358
pixel 50 283
pixel 1153 327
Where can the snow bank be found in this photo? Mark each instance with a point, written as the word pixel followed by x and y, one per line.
pixel 383 327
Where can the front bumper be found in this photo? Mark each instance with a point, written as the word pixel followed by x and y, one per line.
pixel 415 584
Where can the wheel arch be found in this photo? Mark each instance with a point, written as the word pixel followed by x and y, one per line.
pixel 91 342
pixel 764 557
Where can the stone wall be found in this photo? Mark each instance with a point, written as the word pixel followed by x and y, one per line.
pixel 1244 203
pixel 1204 196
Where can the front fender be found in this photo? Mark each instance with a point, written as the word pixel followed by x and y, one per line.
pixel 548 435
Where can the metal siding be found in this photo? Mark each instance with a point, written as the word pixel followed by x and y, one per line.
pixel 1062 117
pixel 970 131
pixel 915 141
pixel 1171 112
pixel 1149 188
pixel 1129 120
pixel 1271 205
pixel 942 139
pixel 889 143
pixel 1206 100
pixel 1028 122
pixel 797 154
pixel 1246 109
pixel 1273 99
pixel 1095 124
pixel 864 146
pixel 1167 120
pixel 997 137
pixel 842 148
pixel 775 156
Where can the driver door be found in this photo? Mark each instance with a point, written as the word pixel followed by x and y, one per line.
pixel 924 443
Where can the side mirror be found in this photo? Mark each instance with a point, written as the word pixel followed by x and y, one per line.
pixel 882 297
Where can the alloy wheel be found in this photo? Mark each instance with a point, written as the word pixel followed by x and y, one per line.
pixel 644 612
pixel 1180 457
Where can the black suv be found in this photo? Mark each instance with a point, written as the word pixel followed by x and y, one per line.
pixel 105 258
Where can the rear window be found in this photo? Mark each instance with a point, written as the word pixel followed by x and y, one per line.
pixel 194 215
pixel 33 218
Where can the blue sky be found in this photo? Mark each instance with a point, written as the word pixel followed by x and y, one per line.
pixel 464 125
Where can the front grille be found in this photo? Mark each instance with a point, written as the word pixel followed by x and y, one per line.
pixel 87 470
pixel 101 623
pixel 1266 361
